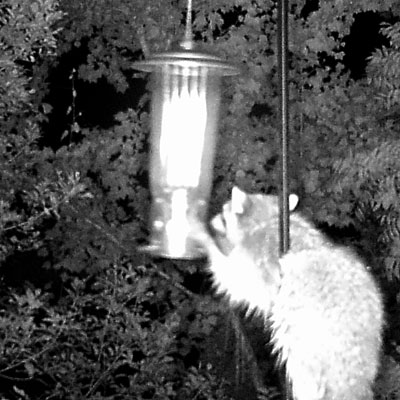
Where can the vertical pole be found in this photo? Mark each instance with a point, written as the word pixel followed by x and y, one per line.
pixel 284 131
pixel 284 227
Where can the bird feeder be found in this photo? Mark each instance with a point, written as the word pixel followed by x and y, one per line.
pixel 184 119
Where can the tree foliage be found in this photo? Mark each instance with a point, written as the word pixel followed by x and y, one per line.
pixel 102 341
pixel 81 206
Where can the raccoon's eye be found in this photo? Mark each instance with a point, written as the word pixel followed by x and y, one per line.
pixel 218 223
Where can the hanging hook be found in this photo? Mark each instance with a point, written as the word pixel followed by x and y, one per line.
pixel 187 42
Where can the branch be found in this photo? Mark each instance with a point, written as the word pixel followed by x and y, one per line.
pixel 142 41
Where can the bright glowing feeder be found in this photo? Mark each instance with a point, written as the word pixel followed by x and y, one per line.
pixel 185 106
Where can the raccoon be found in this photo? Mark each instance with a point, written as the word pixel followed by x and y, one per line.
pixel 322 305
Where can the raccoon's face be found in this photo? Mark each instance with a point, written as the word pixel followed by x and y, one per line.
pixel 244 249
pixel 244 215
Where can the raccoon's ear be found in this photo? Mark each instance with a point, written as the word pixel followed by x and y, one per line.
pixel 238 200
pixel 293 201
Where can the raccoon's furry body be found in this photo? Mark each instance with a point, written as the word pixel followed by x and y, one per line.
pixel 323 306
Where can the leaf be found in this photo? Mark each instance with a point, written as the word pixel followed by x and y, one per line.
pixel 30 369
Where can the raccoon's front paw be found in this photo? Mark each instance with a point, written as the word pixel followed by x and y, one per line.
pixel 197 229
pixel 199 233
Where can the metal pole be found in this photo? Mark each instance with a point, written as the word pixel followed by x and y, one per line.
pixel 284 131
pixel 284 239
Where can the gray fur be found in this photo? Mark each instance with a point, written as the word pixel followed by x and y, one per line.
pixel 324 307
